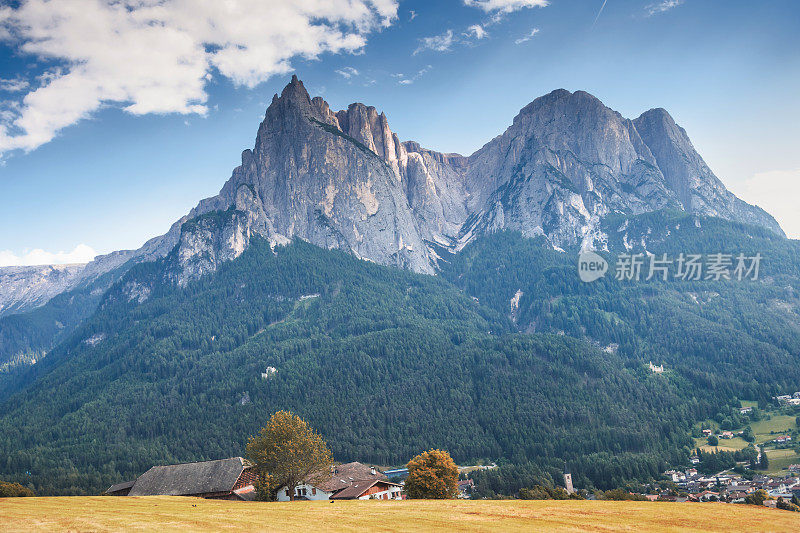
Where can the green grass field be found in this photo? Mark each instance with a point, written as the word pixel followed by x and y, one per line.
pixel 779 460
pixel 725 445
pixel 164 514
pixel 764 431
pixel 778 424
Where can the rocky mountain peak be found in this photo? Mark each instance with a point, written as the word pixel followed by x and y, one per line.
pixel 343 179
pixel 296 91
pixel 688 176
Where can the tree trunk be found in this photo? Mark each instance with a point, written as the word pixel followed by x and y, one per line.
pixel 291 492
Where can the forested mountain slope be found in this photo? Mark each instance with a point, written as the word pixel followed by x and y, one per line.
pixel 737 338
pixel 382 361
pixel 502 354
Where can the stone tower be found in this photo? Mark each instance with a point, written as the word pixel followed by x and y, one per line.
pixel 568 480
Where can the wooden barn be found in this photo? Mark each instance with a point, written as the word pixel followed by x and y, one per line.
pixel 229 479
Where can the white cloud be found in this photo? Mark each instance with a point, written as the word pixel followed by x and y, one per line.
pixel 477 31
pixel 776 192
pixel 412 15
pixel 505 6
pixel 527 37
pixel 13 85
pixel 437 43
pixel 403 80
pixel 156 56
pixel 347 72
pixel 661 7
pixel 81 254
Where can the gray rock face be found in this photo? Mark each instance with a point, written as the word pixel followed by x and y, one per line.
pixel 26 287
pixel 343 179
pixel 329 178
pixel 688 176
pixel 566 161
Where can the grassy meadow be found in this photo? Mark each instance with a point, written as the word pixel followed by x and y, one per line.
pixel 164 513
pixel 765 431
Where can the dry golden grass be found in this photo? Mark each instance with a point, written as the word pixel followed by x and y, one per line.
pixel 165 514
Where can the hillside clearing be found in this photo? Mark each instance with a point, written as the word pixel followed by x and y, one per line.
pixel 779 460
pixel 766 430
pixel 98 513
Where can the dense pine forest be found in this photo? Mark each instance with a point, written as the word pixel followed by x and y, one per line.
pixel 386 363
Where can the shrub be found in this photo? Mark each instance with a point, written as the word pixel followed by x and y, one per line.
pixel 13 490
pixel 621 495
pixel 540 492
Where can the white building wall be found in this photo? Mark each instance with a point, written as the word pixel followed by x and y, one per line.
pixel 394 493
pixel 309 493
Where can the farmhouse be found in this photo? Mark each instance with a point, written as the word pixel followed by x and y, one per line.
pixel 229 479
pixel 349 481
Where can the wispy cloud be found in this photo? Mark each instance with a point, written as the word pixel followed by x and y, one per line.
pixel 661 7
pixel 477 31
pixel 81 254
pixel 436 43
pixel 347 72
pixel 505 6
pixel 496 12
pixel 402 79
pixel 527 37
pixel 13 85
pixel 156 57
pixel 412 15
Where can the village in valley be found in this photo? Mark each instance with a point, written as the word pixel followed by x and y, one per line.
pixel 749 458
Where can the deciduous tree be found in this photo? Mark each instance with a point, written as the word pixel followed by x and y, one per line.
pixel 14 490
pixel 433 475
pixel 290 453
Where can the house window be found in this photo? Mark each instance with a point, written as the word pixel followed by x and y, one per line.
pixel 304 492
pixel 287 492
pixel 313 491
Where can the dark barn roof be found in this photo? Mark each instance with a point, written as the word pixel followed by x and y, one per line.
pixel 120 487
pixel 190 478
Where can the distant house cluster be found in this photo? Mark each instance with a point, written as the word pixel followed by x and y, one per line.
pixel 658 369
pixel 235 479
pixel 789 399
pixel 730 488
pixel 349 481
pixel 722 435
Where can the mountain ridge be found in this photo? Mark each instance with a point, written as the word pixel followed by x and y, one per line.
pixel 343 179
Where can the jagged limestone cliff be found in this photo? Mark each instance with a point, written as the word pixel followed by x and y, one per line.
pixel 343 179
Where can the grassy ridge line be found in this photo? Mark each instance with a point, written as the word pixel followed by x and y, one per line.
pixel 97 513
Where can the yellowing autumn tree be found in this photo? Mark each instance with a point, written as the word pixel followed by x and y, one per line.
pixel 289 453
pixel 432 475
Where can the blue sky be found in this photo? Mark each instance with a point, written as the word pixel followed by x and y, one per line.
pixel 112 128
